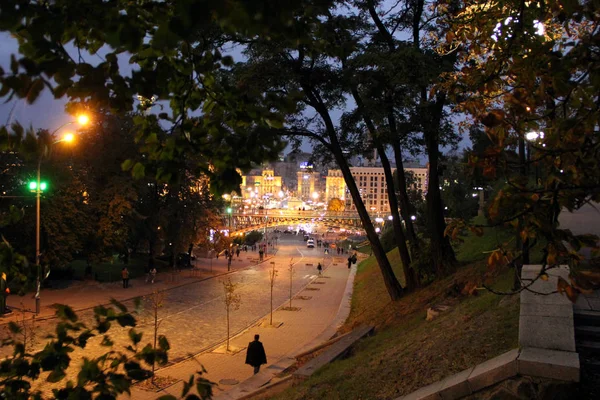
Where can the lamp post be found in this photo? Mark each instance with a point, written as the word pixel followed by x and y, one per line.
pixel 39 187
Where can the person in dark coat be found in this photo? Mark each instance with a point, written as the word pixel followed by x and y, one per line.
pixel 255 356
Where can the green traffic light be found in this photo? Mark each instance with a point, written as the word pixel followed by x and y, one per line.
pixel 33 186
pixel 228 210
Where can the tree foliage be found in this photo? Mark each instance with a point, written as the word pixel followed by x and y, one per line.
pixel 530 72
pixel 106 376
pixel 336 205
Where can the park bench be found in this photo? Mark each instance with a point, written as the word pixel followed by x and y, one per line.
pixel 335 351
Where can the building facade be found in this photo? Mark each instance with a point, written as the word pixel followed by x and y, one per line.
pixel 261 185
pixel 335 186
pixel 372 186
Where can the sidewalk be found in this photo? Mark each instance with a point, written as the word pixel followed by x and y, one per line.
pixel 321 313
pixel 82 295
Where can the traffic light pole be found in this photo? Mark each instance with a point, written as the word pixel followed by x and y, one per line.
pixel 37 239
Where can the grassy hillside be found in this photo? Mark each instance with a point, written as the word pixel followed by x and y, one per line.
pixel 407 351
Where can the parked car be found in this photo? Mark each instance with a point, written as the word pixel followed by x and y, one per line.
pixel 310 243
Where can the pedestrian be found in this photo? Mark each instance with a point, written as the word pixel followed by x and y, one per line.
pixel 237 252
pixel 349 262
pixel 260 254
pixel 320 268
pixel 226 253
pixel 152 274
pixel 229 261
pixel 255 355
pixel 125 276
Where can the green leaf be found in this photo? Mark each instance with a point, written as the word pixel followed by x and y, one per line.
pixel 14 327
pixel 163 343
pixel 118 304
pixel 135 371
pixel 65 312
pixel 83 338
pixel 126 320
pixel 56 375
pixel 139 170
pixel 135 337
pixel 126 165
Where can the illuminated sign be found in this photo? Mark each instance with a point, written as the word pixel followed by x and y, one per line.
pixel 306 165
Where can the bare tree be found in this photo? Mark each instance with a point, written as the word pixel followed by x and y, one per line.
pixel 291 269
pixel 232 302
pixel 156 301
pixel 272 275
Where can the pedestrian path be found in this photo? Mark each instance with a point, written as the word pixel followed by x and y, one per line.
pixel 82 295
pixel 324 306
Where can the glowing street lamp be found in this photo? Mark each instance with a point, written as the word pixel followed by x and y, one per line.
pixel 38 187
pixel 83 119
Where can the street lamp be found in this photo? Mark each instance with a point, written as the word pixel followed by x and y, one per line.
pixel 38 186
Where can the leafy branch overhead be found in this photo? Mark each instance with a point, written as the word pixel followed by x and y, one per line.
pixel 108 375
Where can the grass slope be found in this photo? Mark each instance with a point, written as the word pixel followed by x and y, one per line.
pixel 407 351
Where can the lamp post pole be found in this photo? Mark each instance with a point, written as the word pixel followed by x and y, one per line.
pixel 37 238
pixel 38 192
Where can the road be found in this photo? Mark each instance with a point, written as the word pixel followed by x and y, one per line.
pixel 193 317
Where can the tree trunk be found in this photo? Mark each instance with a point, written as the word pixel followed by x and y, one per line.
pixel 409 275
pixel 521 245
pixel 391 282
pixel 406 209
pixel 391 192
pixel 441 251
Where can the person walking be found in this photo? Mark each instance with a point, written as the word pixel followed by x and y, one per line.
pixel 237 252
pixel 229 261
pixel 320 268
pixel 255 355
pixel 125 276
pixel 152 274
pixel 349 262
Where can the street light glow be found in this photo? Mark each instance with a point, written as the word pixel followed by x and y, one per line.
pixel 69 137
pixel 83 119
pixel 315 195
pixel 33 186
pixel 533 135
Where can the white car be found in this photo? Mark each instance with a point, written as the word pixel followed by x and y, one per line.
pixel 310 243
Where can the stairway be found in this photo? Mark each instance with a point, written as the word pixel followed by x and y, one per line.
pixel 587 340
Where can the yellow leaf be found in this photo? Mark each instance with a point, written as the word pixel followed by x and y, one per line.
pixel 544 277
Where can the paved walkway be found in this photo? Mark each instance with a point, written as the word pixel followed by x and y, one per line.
pixel 82 295
pixel 193 317
pixel 321 313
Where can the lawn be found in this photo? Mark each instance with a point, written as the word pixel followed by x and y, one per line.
pixel 408 352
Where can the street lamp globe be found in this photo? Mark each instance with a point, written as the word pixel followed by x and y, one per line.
pixel 315 195
pixel 533 135
pixel 83 119
pixel 69 137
